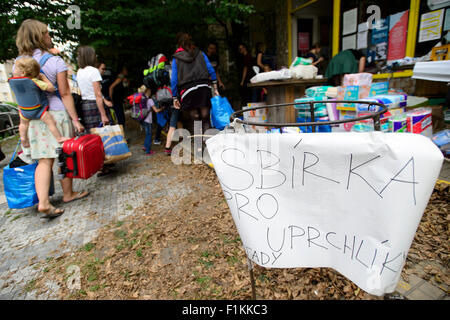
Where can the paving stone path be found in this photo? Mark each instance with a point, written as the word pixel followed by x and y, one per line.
pixel 26 239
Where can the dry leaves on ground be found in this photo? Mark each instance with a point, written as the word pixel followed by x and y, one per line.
pixel 191 250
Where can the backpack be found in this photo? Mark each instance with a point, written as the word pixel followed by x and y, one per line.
pixel 157 75
pixel 164 96
pixel 138 104
pixel 157 79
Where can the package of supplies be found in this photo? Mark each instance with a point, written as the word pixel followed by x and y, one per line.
pixel 419 121
pixel 352 93
pixel 319 91
pixel 301 103
pixel 398 123
pixel 379 88
pixel 319 128
pixel 357 79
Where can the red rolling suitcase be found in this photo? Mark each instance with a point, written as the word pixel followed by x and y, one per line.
pixel 81 157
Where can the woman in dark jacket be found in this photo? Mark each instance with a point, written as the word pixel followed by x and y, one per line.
pixel 191 78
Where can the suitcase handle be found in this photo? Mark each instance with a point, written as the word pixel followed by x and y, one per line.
pixel 80 134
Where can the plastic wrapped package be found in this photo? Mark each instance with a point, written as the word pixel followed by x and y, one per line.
pixel 419 122
pixel 357 79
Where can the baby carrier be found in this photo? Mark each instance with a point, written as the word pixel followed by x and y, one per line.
pixel 29 96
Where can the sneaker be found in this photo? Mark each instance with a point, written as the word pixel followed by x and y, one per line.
pixel 168 152
pixel 157 142
pixel 150 153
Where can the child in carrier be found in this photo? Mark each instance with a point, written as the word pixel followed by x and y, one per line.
pixel 147 122
pixel 28 85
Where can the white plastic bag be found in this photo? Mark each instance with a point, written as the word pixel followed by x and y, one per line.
pixel 282 74
pixel 304 72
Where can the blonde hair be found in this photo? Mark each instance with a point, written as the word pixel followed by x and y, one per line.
pixel 30 36
pixel 142 89
pixel 29 67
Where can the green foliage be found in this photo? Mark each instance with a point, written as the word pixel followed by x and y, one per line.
pixel 124 32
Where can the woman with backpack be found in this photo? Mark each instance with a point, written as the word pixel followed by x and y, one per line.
pixel 34 40
pixel 191 78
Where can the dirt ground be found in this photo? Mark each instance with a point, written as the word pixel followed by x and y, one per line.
pixel 189 248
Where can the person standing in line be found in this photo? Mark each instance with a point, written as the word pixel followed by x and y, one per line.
pixel 89 81
pixel 33 39
pixel 105 84
pixel 146 124
pixel 191 78
pixel 246 74
pixel 213 57
pixel 117 94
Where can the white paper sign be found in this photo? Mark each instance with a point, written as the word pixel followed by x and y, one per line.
pixel 349 42
pixel 431 25
pixel 350 21
pixel 348 201
pixel 362 39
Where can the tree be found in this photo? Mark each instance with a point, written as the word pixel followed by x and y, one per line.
pixel 130 31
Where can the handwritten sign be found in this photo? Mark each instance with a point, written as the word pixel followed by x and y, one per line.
pixel 349 201
pixel 431 25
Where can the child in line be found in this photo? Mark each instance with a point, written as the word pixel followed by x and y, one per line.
pixel 147 123
pixel 28 85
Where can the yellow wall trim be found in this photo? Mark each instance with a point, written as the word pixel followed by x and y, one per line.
pixel 336 26
pixel 400 74
pixel 413 25
pixel 300 7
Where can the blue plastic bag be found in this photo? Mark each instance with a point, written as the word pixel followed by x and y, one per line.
pixel 220 112
pixel 161 118
pixel 20 190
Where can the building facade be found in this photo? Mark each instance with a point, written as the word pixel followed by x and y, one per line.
pixel 6 94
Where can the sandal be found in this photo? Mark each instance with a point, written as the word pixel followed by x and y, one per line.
pixel 51 213
pixel 79 195
pixel 105 171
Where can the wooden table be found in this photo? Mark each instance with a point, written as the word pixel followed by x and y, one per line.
pixel 285 91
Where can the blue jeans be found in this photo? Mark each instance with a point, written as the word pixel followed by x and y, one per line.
pixel 148 136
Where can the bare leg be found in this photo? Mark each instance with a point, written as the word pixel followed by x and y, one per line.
pixel 68 193
pixel 42 178
pixel 169 137
pixel 23 131
pixel 50 122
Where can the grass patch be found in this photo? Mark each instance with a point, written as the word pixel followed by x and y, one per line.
pixel 139 253
pixel 232 260
pixel 88 246
pixel 207 264
pixel 16 217
pixel 119 223
pixel 30 285
pixel 94 288
pixel 128 207
pixel 120 233
pixel 8 212
pixel 227 240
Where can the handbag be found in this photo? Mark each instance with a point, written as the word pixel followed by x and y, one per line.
pixel 20 190
pixel 114 143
